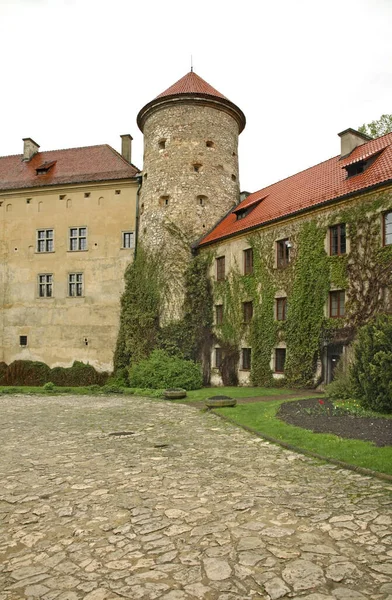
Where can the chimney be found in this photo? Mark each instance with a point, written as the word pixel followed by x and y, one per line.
pixel 350 139
pixel 126 147
pixel 30 147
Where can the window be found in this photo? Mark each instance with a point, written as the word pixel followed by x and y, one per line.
pixel 202 200
pixel 87 194
pixel 45 240
pixel 248 261
pixel 246 359
pixel 78 238
pixel 197 167
pixel 282 253
pixel 336 304
pixel 281 309
pixel 247 308
pixel 218 314
pixel 280 359
pixel 75 284
pixel 220 268
pixel 337 240
pixel 162 144
pixel 209 144
pixel 387 228
pixel 233 177
pixel 45 286
pixel 164 200
pixel 218 357
pixel 128 240
pixel 117 192
pixel 23 340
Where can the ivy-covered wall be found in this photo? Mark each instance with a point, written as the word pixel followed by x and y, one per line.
pixel 364 272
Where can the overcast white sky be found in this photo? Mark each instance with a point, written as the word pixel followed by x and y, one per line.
pixel 76 72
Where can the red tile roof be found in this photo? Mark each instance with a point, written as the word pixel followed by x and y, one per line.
pixel 317 185
pixel 75 165
pixel 191 87
pixel 191 84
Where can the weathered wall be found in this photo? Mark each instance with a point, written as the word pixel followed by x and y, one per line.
pixel 57 327
pixel 188 185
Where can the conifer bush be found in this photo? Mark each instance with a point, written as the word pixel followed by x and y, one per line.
pixel 371 372
pixel 161 370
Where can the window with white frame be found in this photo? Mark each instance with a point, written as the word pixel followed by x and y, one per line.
pixel 128 239
pixel 75 284
pixel 45 285
pixel 45 240
pixel 78 238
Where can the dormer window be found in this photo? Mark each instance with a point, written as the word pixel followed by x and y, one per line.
pixel 361 165
pixel 242 212
pixel 44 168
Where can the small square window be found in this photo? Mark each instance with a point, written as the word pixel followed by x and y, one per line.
pixel 220 268
pixel 283 253
pixel 62 196
pixel 75 284
pixel 117 192
pixel 87 194
pixel 209 144
pixel 162 144
pixel 246 359
pixel 128 239
pixel 248 261
pixel 247 310
pixel 45 239
pixel 23 340
pixel 337 240
pixel 218 314
pixel 281 309
pixel 387 228
pixel 337 304
pixel 45 285
pixel 280 359
pixel 77 238
pixel 218 357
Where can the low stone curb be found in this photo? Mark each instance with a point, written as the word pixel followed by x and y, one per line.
pixel 334 461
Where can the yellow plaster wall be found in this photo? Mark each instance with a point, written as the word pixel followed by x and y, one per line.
pixel 57 327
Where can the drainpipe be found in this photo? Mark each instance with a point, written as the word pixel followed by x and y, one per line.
pixel 139 179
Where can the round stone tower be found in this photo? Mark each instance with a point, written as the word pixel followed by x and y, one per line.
pixel 190 170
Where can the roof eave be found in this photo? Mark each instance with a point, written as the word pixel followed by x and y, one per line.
pixel 295 213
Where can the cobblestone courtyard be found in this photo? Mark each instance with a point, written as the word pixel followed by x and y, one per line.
pixel 187 507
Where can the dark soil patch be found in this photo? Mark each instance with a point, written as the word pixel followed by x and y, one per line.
pixel 322 417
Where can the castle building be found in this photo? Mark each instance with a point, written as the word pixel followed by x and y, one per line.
pixel 295 267
pixel 68 232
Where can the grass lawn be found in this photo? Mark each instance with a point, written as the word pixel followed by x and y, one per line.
pixel 262 417
pixel 236 392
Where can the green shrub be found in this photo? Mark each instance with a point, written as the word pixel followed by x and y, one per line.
pixel 371 372
pixel 49 386
pixel 341 388
pixel 27 372
pixel 161 370
pixel 79 374
pixel 119 378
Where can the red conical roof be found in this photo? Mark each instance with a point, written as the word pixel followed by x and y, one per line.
pixel 192 89
pixel 191 84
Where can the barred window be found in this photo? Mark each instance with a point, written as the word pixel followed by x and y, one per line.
pixel 128 239
pixel 280 359
pixel 45 240
pixel 75 284
pixel 45 285
pixel 78 238
pixel 220 268
pixel 246 358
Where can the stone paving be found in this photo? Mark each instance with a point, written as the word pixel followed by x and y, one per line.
pixel 187 507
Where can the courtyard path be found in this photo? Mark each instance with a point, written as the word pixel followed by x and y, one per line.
pixel 186 507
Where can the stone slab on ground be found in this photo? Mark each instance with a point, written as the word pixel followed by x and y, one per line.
pixel 187 507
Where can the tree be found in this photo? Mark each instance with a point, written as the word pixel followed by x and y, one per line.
pixel 371 371
pixel 377 128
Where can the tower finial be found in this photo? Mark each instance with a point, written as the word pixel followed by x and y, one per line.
pixel 191 63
